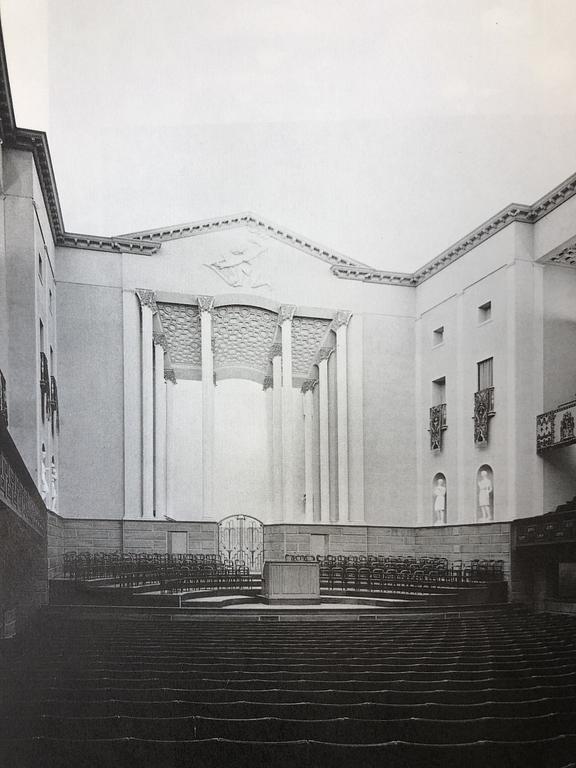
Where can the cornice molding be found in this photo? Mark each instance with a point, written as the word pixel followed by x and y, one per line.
pixel 149 241
pixel 247 218
pixel 562 256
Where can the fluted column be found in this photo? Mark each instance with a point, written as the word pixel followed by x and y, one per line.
pixel 170 379
pixel 147 310
pixel 340 326
pixel 307 391
pixel 285 315
pixel 325 353
pixel 277 451
pixel 205 306
pixel 160 346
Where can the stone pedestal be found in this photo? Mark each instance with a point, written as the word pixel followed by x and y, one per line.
pixel 291 583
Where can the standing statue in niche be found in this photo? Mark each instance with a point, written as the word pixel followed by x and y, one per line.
pixel 44 488
pixel 53 484
pixel 484 490
pixel 440 502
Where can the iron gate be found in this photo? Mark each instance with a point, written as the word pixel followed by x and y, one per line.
pixel 241 537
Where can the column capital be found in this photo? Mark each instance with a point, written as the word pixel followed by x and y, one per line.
pixel 324 353
pixel 268 383
pixel 160 340
pixel 205 303
pixel 342 317
pixel 169 375
pixel 147 298
pixel 308 385
pixel 275 350
pixel 286 312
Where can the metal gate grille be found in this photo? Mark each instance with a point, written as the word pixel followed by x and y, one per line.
pixel 242 538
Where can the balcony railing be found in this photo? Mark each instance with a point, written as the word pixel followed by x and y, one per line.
pixel 483 412
pixel 3 403
pixel 437 426
pixel 557 427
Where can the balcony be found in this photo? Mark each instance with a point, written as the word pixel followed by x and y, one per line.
pixel 437 426
pixel 556 428
pixel 3 403
pixel 483 412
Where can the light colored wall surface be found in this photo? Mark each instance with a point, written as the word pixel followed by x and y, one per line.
pixel 389 435
pixel 559 372
pixel 504 274
pixel 92 395
pixel 27 235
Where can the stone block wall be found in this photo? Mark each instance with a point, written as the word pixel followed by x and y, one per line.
pixel 101 535
pixel 23 582
pixel 490 541
pixel 151 536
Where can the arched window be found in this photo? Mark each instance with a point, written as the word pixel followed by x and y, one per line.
pixel 439 498
pixel 485 494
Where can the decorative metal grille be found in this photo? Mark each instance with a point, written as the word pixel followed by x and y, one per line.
pixel 437 426
pixel 241 537
pixel 483 411
pixel 3 403
pixel 556 428
pixel 567 427
pixel 545 437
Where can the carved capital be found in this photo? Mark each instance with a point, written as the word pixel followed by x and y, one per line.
pixel 324 353
pixel 286 312
pixel 161 340
pixel 169 375
pixel 275 350
pixel 147 298
pixel 308 385
pixel 205 303
pixel 268 383
pixel 341 318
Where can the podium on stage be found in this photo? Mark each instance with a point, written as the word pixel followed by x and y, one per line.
pixel 292 583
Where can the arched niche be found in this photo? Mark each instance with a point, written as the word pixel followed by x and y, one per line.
pixel 485 494
pixel 439 499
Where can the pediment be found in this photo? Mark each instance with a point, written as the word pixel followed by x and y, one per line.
pixel 256 228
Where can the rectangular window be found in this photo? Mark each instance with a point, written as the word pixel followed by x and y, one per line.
pixel 438 336
pixel 50 299
pixel 485 312
pixel 40 268
pixel 439 391
pixel 485 374
pixel 41 336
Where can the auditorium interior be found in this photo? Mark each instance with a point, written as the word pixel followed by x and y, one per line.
pixel 264 504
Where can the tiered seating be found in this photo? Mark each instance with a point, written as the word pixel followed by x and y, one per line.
pixel 472 691
pixel 168 573
pixel 400 574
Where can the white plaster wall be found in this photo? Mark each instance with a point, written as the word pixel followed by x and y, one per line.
pixel 389 424
pixel 186 451
pixel 91 373
pixel 241 451
pixel 559 376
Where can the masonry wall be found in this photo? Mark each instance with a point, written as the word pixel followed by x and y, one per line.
pixel 98 535
pixel 455 542
pixel 23 583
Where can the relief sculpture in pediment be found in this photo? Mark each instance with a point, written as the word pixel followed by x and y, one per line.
pixel 243 267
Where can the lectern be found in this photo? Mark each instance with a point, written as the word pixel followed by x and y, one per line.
pixel 292 583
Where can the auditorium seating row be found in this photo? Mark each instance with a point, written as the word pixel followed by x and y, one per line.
pixel 378 572
pixel 169 573
pixel 471 689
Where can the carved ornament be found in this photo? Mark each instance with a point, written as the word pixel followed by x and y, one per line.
pixel 285 312
pixel 147 298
